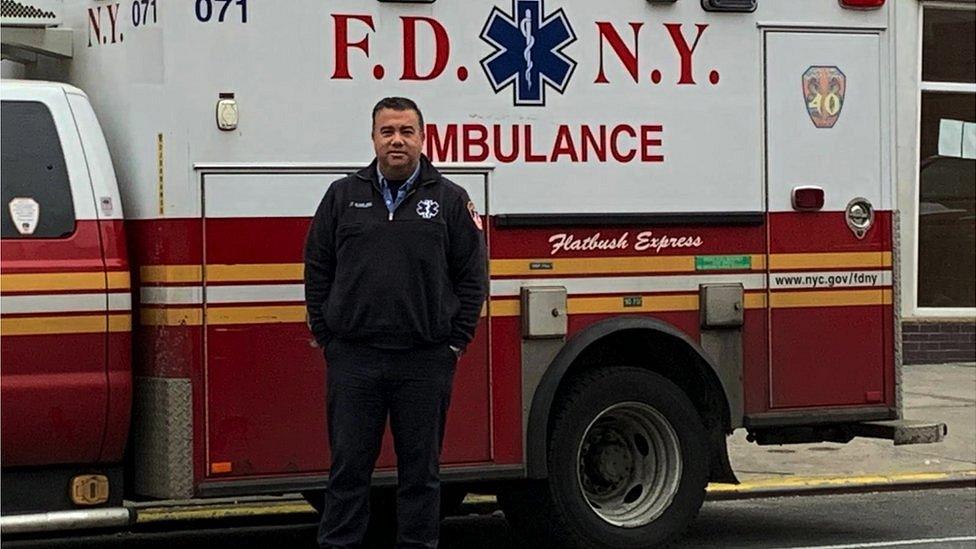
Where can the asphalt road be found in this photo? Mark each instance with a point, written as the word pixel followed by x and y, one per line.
pixel 944 518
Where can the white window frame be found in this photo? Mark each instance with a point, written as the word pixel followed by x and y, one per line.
pixel 932 87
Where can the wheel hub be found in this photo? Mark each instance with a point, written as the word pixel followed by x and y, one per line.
pixel 629 464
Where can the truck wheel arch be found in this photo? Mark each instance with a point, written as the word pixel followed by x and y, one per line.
pixel 572 357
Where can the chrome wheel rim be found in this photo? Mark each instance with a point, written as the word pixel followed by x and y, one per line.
pixel 628 464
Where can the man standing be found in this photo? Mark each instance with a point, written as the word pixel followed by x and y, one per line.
pixel 395 278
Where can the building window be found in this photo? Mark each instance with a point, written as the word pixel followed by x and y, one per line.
pixel 947 164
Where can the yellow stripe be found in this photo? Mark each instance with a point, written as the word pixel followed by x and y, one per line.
pixel 831 260
pixel 255 315
pixel 255 271
pixel 593 265
pixel 245 272
pixel 756 301
pixel 52 325
pixel 832 298
pixel 52 281
pixel 120 322
pixel 664 264
pixel 649 303
pixel 504 307
pixel 171 273
pixel 184 316
pixel 118 280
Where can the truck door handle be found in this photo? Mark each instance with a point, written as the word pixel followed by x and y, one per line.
pixel 808 198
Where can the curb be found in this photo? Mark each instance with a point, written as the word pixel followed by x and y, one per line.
pixel 790 486
pixel 484 504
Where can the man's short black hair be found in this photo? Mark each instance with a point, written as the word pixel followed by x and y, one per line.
pixel 398 104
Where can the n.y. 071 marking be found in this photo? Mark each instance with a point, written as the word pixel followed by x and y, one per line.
pixel 205 9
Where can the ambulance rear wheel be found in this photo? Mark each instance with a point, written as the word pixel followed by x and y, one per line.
pixel 628 465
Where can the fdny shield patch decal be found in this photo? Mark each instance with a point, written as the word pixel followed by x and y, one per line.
pixel 427 208
pixel 824 88
pixel 475 217
pixel 25 213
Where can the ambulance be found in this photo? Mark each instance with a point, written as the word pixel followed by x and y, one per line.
pixel 688 207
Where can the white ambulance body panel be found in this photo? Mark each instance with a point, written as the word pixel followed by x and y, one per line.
pixel 156 86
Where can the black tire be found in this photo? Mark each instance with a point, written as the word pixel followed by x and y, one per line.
pixel 556 513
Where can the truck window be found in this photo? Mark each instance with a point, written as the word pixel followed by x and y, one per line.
pixel 36 190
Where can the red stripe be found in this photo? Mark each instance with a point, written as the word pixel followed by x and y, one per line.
pixel 166 241
pixel 259 240
pixel 80 251
pixel 515 243
pixel 281 239
pixel 542 274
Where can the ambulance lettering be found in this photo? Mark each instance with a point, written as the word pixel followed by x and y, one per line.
pixel 645 241
pixel 621 143
pixel 98 32
pixel 528 50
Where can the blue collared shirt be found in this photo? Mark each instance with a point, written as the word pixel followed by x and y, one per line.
pixel 393 203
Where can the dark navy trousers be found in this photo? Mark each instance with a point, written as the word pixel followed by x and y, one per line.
pixel 366 385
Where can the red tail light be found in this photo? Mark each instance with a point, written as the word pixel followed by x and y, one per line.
pixel 862 4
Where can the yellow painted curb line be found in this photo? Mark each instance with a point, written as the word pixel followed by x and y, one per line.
pixel 813 483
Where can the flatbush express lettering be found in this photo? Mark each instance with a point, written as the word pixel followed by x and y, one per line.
pixel 621 143
pixel 645 241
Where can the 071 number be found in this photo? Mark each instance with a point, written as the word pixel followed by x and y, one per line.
pixel 206 9
pixel 140 12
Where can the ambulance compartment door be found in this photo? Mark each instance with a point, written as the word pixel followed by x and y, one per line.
pixel 265 382
pixel 829 263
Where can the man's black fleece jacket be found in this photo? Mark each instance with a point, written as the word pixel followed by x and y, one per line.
pixel 414 278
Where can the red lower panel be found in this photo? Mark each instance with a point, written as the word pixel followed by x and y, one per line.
pixel 266 402
pixel 54 397
pixel 506 389
pixel 755 372
pixel 506 369
pixel 119 396
pixel 828 356
pixel 796 232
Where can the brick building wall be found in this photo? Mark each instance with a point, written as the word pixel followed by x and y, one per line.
pixel 938 341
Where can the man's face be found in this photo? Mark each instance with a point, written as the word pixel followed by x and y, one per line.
pixel 398 140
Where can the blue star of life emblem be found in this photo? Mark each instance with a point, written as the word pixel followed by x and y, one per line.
pixel 528 51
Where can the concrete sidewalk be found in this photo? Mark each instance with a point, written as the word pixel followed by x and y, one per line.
pixel 934 393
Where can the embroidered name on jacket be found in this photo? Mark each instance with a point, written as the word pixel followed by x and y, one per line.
pixel 361 204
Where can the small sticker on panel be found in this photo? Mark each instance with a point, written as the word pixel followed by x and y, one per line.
pixel 106 203
pixel 723 262
pixel 25 213
pixel 824 88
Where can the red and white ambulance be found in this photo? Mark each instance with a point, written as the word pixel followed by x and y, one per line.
pixel 688 207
